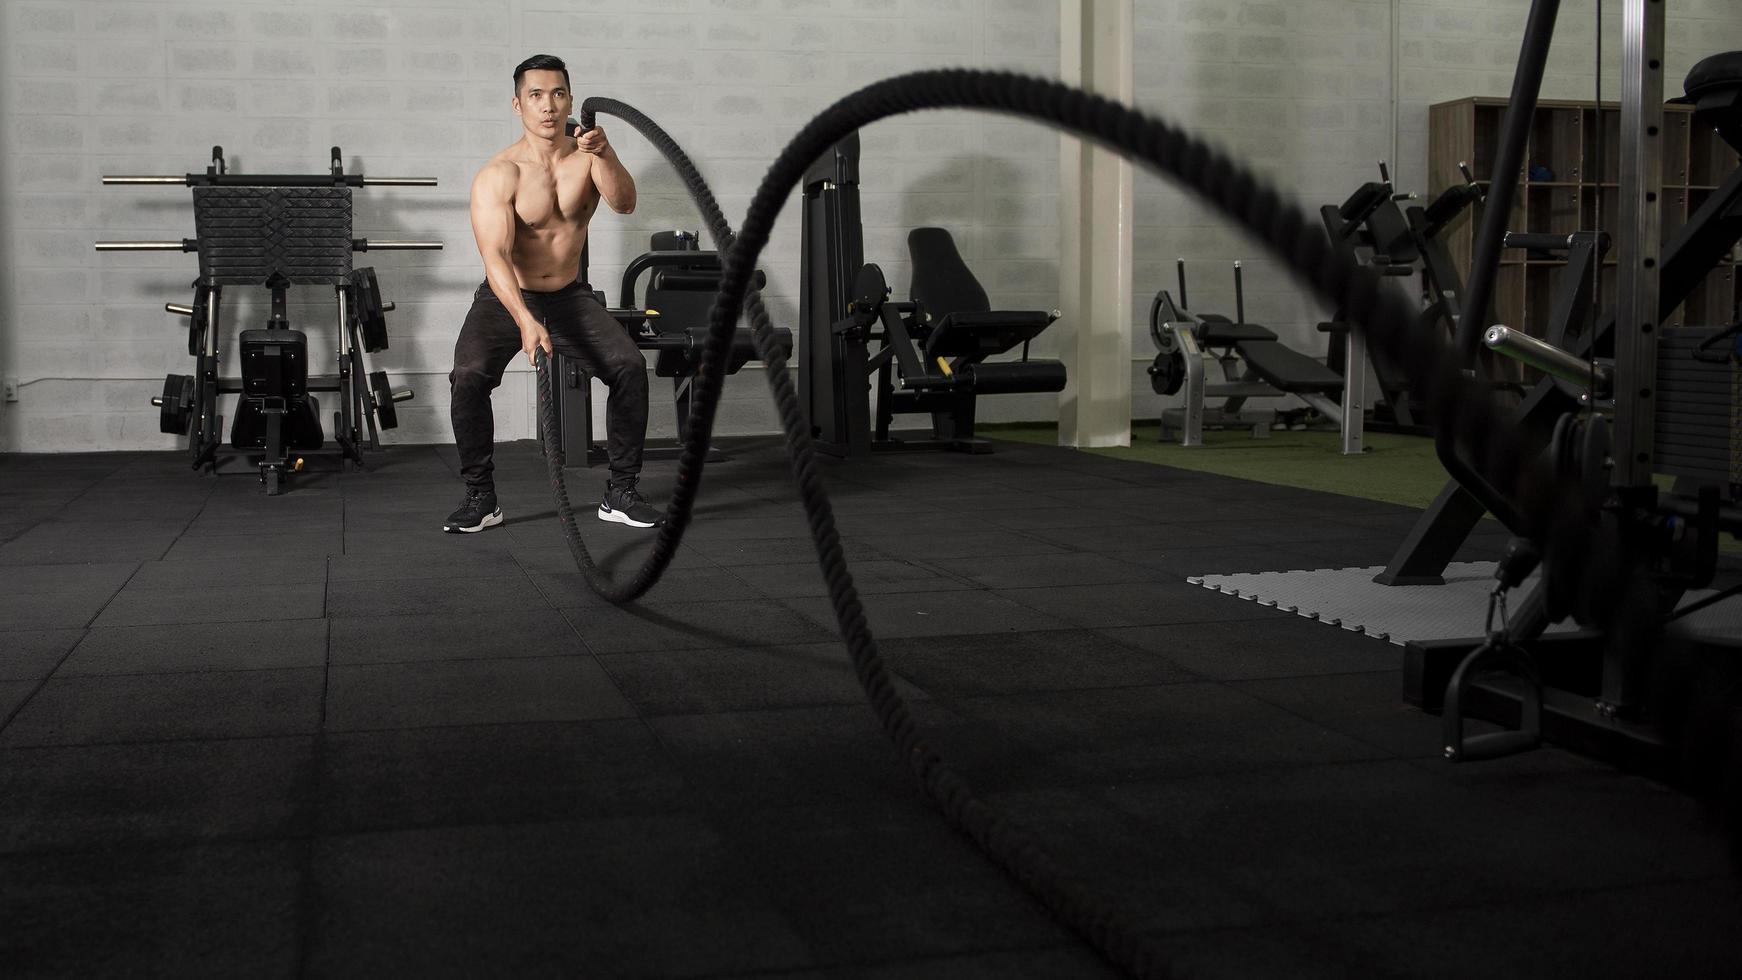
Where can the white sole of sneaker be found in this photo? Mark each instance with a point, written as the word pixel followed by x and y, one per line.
pixel 489 521
pixel 618 517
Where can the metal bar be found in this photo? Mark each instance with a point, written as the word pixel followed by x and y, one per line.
pixel 1546 357
pixel 399 181
pixel 391 244
pixel 1354 404
pixel 178 309
pixel 270 180
pixel 165 245
pixel 1637 313
pixel 1509 158
pixel 139 179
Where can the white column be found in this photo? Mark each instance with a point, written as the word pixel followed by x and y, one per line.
pixel 1095 219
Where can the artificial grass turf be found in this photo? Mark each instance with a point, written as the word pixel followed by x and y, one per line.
pixel 1399 469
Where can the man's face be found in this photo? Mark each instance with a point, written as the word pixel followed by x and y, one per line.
pixel 544 102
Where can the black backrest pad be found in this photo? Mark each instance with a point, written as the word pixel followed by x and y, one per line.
pixel 941 280
pixel 1289 370
pixel 1716 72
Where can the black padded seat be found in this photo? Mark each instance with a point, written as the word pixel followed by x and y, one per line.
pixel 1218 331
pixel 984 334
pixel 1289 370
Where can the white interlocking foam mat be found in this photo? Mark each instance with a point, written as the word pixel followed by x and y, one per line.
pixel 1348 597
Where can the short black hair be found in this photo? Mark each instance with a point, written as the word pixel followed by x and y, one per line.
pixel 540 62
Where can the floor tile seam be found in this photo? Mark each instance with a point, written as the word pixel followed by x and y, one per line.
pixel 314 793
pixel 310 734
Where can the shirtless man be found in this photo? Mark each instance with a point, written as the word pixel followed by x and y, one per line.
pixel 530 208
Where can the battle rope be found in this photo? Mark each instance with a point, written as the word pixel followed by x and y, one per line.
pixel 1382 308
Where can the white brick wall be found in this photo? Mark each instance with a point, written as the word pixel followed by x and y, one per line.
pixel 1302 89
pixel 421 87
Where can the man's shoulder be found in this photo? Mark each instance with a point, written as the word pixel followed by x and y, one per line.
pixel 498 173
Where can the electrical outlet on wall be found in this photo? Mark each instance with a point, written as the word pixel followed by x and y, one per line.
pixel 10 387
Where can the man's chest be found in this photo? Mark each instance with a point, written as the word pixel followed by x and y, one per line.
pixel 546 199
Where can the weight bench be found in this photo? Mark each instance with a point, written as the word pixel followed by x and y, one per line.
pixel 1254 364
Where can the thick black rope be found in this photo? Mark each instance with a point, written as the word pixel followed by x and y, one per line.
pixel 1382 308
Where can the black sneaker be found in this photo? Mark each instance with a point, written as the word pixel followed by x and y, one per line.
pixel 477 513
pixel 625 505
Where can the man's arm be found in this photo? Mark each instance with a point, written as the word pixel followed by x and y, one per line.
pixel 493 227
pixel 612 179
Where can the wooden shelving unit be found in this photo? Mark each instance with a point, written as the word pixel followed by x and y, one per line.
pixel 1573 191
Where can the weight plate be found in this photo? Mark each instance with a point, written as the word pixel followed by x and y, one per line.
pixel 366 294
pixel 381 394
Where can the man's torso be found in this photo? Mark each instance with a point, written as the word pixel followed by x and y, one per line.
pixel 552 206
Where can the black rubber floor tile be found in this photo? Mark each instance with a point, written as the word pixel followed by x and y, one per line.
pixel 1583 934
pixel 70 609
pixel 777 551
pixel 569 589
pixel 429 544
pixel 1116 539
pixel 939 545
pixel 254 645
pixel 1286 532
pixel 1177 564
pixel 362 571
pixel 1156 886
pixel 307 542
pixel 1277 645
pixel 620 559
pixel 1155 603
pixel 214 604
pixel 266 571
pixel 368 697
pixel 92 796
pixel 1068 963
pixel 641 896
pixel 1081 737
pixel 693 625
pixel 494 774
pixel 936 614
pixel 48 580
pixel 874 576
pixel 887 881
pixel 483 598
pixel 149 707
pixel 1036 571
pixel 531 632
pixel 13 694
pixel 1644 829
pixel 1473 850
pixel 1049 660
pixel 798 756
pixel 663 682
pixel 29 655
pixel 1034 513
pixel 1367 706
pixel 57 543
pixel 205 910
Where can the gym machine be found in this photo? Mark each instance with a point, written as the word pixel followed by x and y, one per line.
pixel 276 231
pixel 1254 364
pixel 930 352
pixel 1630 549
pixel 1372 227
pixel 671 321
